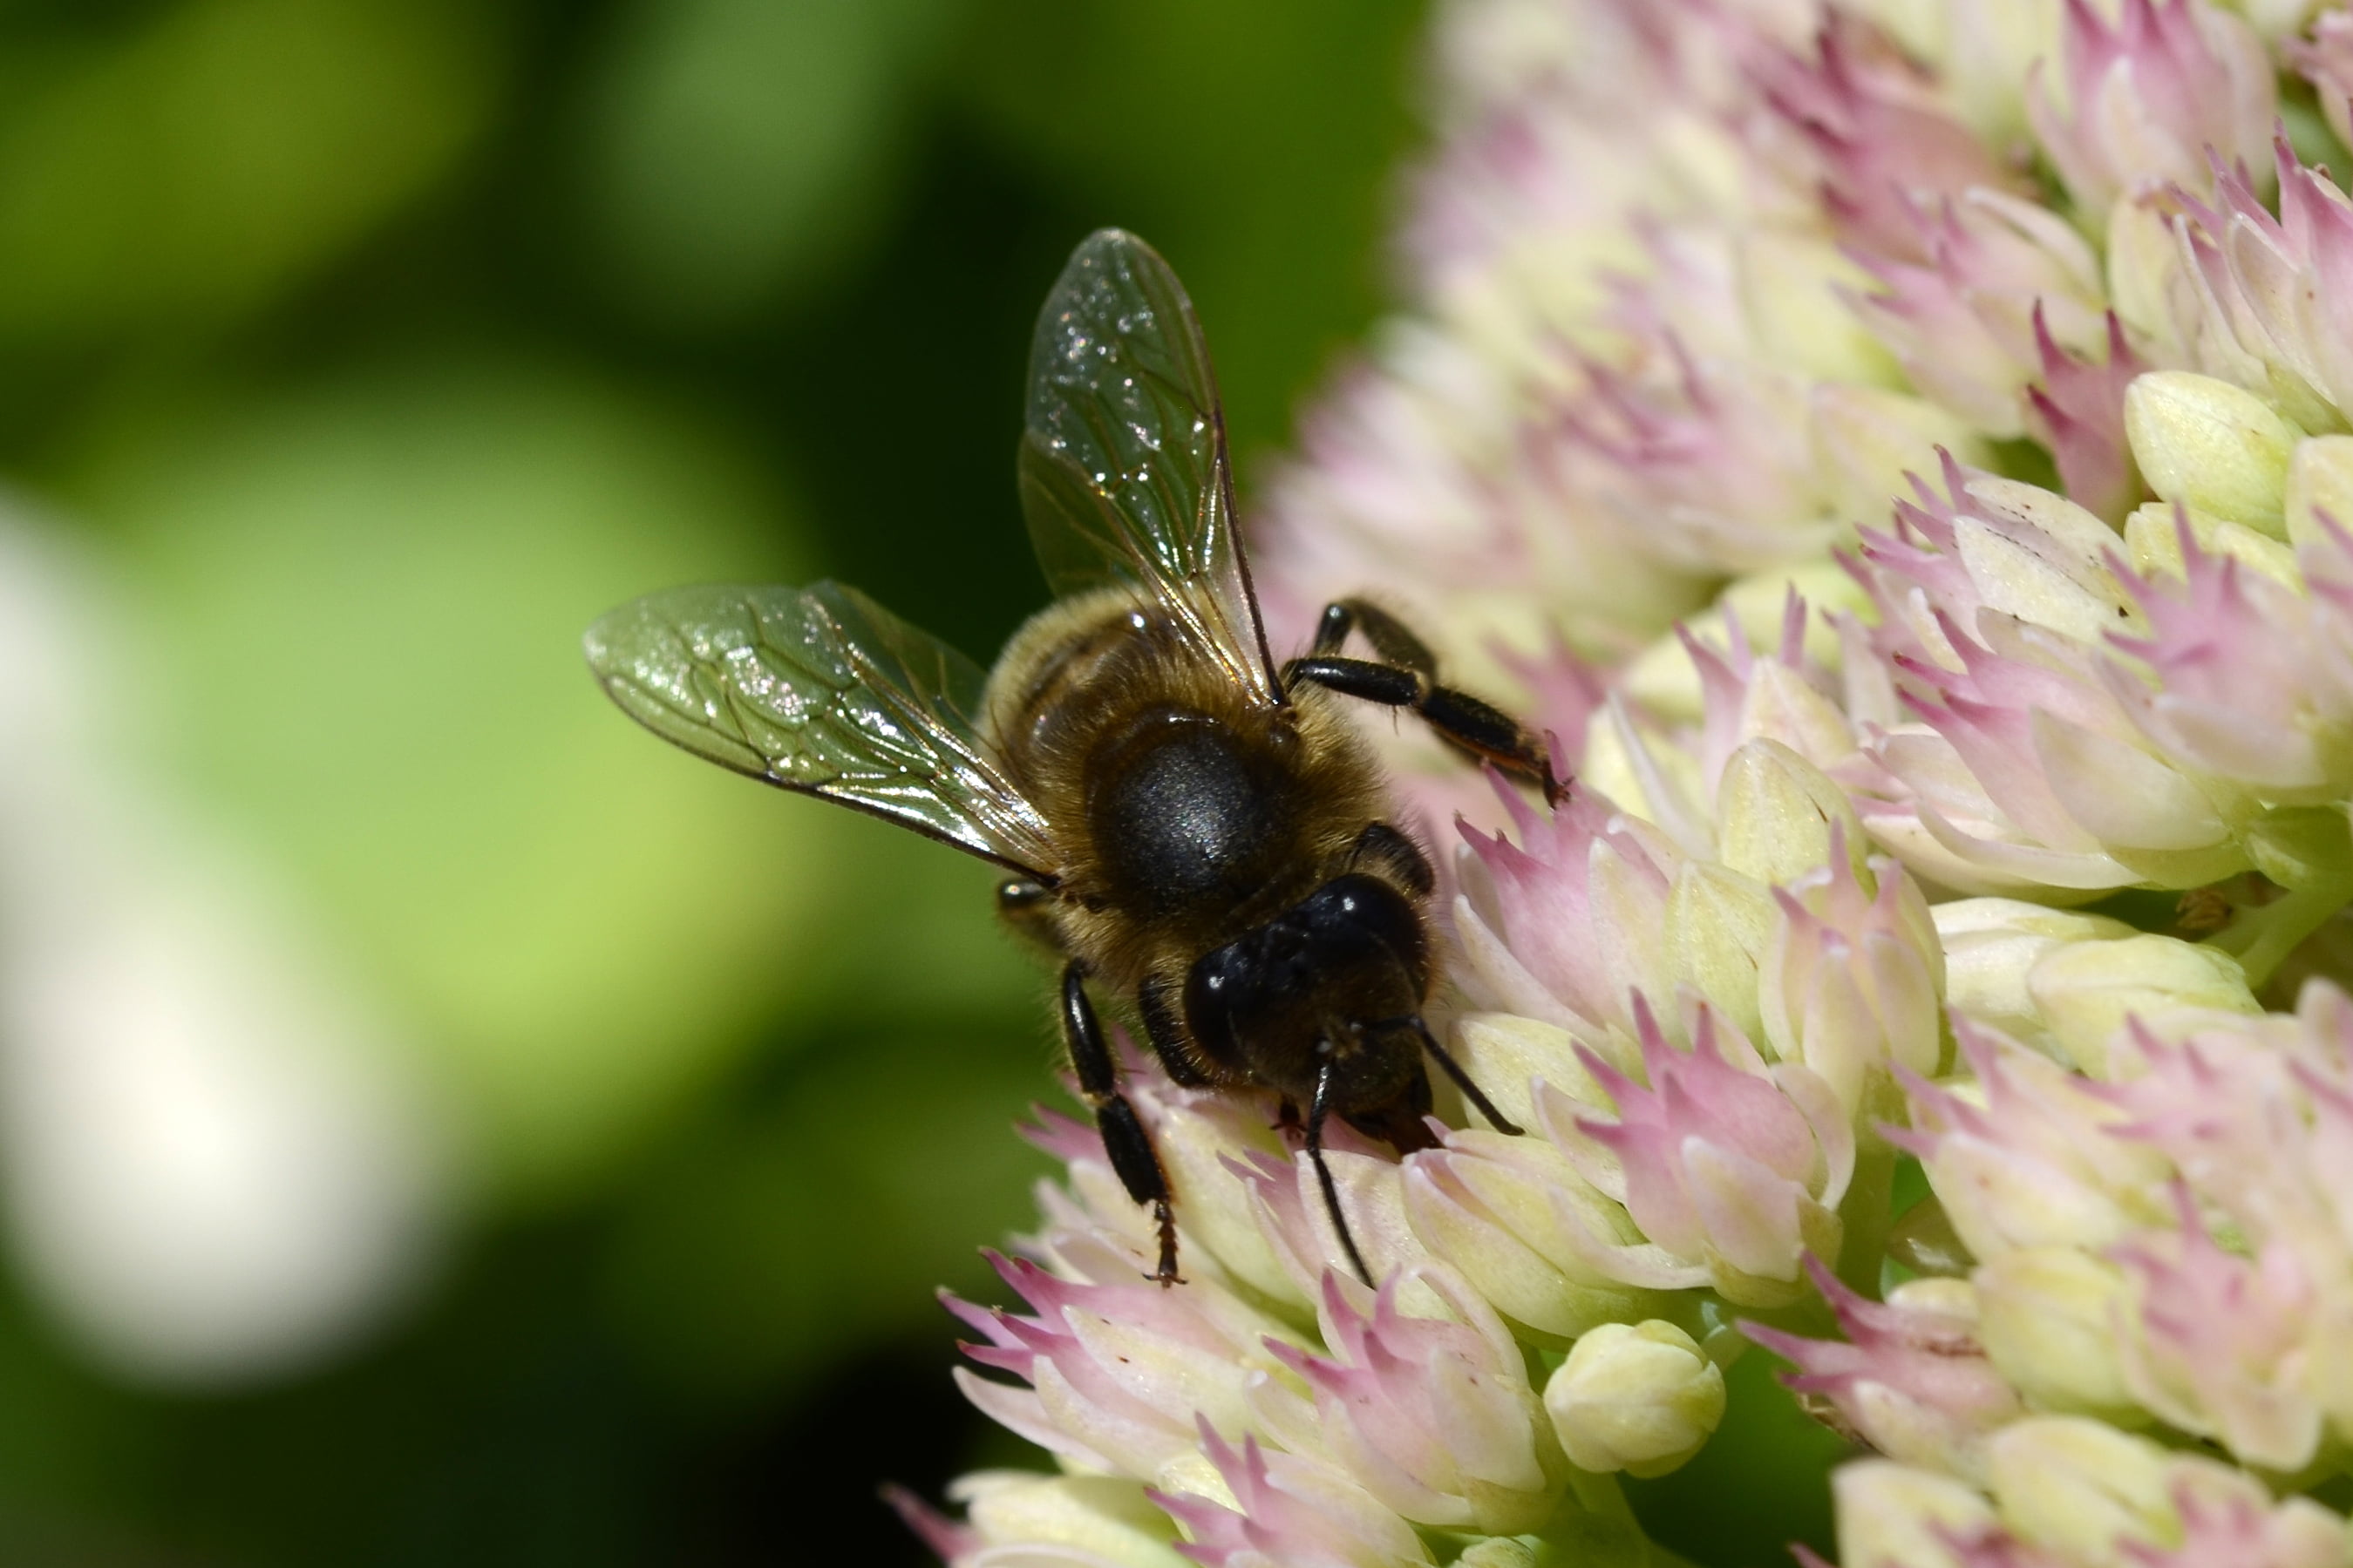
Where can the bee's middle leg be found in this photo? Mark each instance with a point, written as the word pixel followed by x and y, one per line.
pixel 1126 1143
pixel 1406 675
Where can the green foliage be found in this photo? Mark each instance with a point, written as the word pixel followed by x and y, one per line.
pixel 371 589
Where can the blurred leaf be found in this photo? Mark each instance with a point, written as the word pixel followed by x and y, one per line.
pixel 912 934
pixel 223 153
pixel 779 1237
pixel 739 147
pixel 372 596
pixel 1254 145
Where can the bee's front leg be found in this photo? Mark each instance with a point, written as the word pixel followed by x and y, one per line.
pixel 1406 675
pixel 1126 1143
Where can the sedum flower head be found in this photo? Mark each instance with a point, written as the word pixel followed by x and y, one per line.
pixel 1900 452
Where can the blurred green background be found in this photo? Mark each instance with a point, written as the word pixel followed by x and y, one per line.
pixel 363 351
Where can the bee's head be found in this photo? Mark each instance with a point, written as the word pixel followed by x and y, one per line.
pixel 1333 982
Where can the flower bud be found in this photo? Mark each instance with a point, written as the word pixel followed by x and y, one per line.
pixel 2048 1316
pixel 2211 445
pixel 2152 543
pixel 2040 557
pixel 1511 1212
pixel 1662 676
pixel 1775 812
pixel 2220 1346
pixel 1505 1053
pixel 1639 1397
pixel 1733 1171
pixel 2146 275
pixel 1489 1465
pixel 1256 1506
pixel 1104 1519
pixel 1990 946
pixel 2085 991
pixel 1893 1516
pixel 1718 922
pixel 2148 94
pixel 1851 978
pixel 2319 481
pixel 1121 1373
pixel 2120 793
pixel 1793 285
pixel 2078 1485
pixel 1779 705
pixel 1909 1377
pixel 2022 1158
pixel 1871 438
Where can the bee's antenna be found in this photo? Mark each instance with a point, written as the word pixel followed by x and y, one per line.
pixel 1321 1108
pixel 1471 1091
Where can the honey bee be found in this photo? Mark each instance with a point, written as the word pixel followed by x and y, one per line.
pixel 1195 830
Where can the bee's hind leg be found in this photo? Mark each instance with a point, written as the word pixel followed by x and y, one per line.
pixel 1126 1143
pixel 1406 675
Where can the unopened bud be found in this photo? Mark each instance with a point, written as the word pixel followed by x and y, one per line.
pixel 1893 1516
pixel 1992 944
pixel 1103 1519
pixel 2212 446
pixel 2079 1485
pixel 2043 574
pixel 1718 922
pixel 2319 484
pixel 1776 811
pixel 1506 1053
pixel 2143 270
pixel 2086 991
pixel 2046 1316
pixel 1639 1397
pixel 2152 543
pixel 1782 706
pixel 1794 286
pixel 1870 437
pixel 1507 1213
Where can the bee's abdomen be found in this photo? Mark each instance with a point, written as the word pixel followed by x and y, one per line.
pixel 1184 811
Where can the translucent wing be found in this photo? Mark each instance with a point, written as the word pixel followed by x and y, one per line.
pixel 1123 470
pixel 821 689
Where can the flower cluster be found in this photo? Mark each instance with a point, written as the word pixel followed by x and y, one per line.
pixel 1901 451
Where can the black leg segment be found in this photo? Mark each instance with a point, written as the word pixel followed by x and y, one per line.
pixel 1167 1035
pixel 1390 637
pixel 1125 1144
pixel 1361 678
pixel 1406 676
pixel 1383 845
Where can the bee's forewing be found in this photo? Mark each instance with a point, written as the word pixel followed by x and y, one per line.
pixel 1124 476
pixel 821 689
